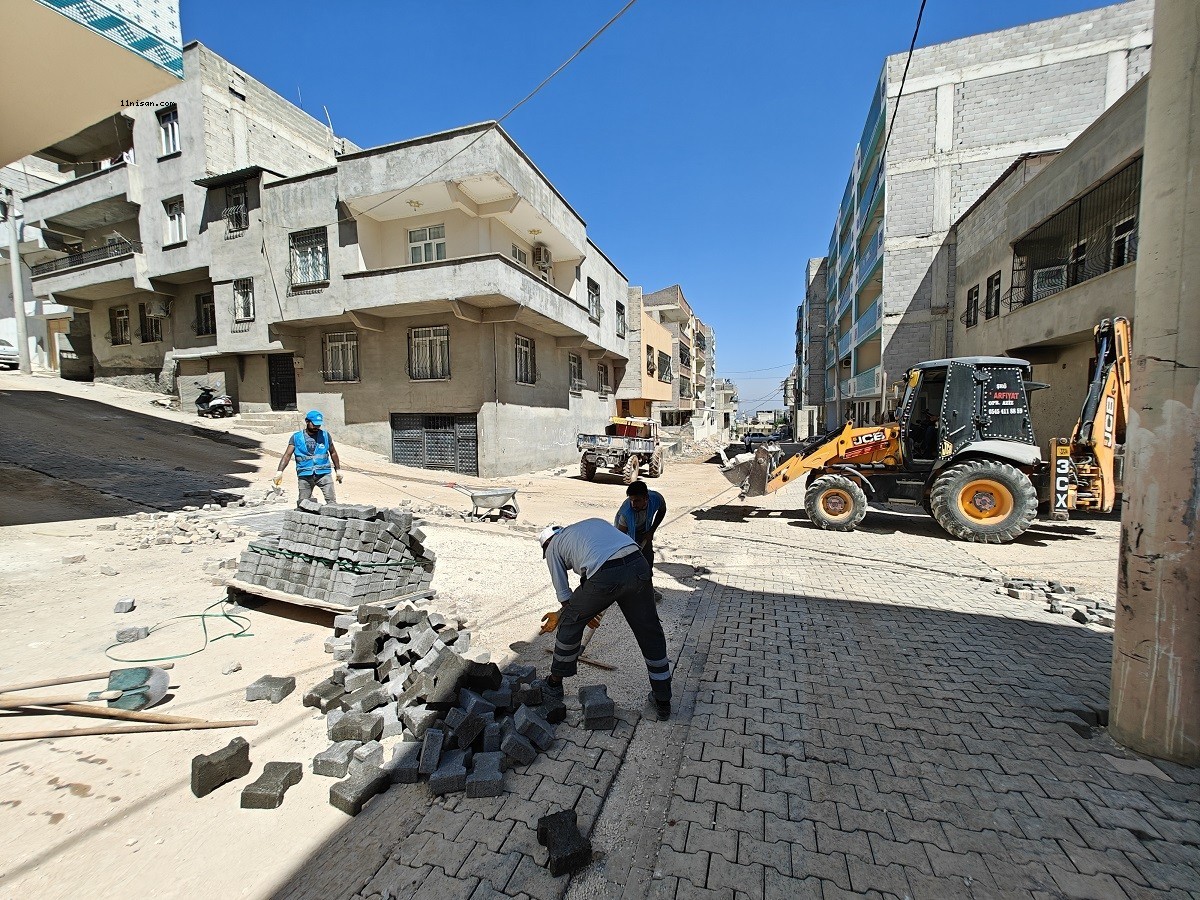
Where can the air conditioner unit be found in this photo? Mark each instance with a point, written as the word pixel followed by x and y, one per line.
pixel 541 257
pixel 846 363
pixel 158 309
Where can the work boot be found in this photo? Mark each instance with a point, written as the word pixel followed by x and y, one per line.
pixel 662 705
pixel 552 694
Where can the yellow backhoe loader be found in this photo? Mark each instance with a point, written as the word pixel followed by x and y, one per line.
pixel 963 447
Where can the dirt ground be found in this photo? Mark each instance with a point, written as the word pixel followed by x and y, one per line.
pixel 115 813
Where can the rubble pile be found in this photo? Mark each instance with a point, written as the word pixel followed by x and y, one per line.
pixel 184 528
pixel 342 553
pixel 1062 600
pixel 410 673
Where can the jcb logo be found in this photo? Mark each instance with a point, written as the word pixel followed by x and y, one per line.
pixel 872 438
pixel 1110 415
pixel 1062 482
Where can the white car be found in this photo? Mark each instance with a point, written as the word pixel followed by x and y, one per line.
pixel 8 355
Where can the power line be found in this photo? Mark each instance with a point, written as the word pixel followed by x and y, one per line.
pixel 751 371
pixel 492 126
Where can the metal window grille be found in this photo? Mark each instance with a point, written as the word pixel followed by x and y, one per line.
pixel 1095 234
pixel 118 324
pixel 526 360
pixel 206 315
pixel 602 378
pixel 243 300
pixel 341 356
pixel 575 364
pixel 149 327
pixel 971 314
pixel 991 304
pixel 664 367
pixel 236 213
pixel 429 353
pixel 593 292
pixel 310 257
pixel 620 320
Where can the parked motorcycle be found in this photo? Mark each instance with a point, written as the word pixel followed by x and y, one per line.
pixel 210 403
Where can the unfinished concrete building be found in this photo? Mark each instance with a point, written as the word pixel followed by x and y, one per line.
pixel 692 412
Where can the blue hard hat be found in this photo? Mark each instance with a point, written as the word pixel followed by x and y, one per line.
pixel 314 416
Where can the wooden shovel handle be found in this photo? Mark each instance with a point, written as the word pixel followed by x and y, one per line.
pixel 115 729
pixel 14 702
pixel 69 679
pixel 109 712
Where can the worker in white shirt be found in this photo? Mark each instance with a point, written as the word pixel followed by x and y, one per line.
pixel 612 570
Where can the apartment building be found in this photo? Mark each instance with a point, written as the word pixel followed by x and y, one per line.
pixel 970 107
pixel 650 376
pixel 459 320
pixel 691 413
pixel 1048 252
pixel 808 405
pixel 727 402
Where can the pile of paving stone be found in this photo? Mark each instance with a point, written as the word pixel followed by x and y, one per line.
pixel 409 673
pixel 1062 600
pixel 184 528
pixel 340 553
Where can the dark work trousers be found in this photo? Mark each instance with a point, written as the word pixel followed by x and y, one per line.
pixel 625 582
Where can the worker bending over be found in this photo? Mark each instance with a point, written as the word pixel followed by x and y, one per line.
pixel 611 569
pixel 639 517
pixel 314 452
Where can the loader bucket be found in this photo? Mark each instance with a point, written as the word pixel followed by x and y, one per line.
pixel 749 470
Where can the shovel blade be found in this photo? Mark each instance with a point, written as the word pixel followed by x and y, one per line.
pixel 140 687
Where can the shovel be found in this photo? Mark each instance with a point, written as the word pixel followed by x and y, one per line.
pixel 129 689
pixel 139 675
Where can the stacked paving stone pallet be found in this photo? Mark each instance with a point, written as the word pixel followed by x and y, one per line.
pixel 1062 600
pixel 342 554
pixel 408 673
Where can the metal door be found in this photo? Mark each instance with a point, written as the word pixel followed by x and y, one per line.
pixel 281 376
pixel 436 441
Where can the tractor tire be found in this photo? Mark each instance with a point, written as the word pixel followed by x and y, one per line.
pixel 984 501
pixel 657 463
pixel 835 503
pixel 629 472
pixel 587 468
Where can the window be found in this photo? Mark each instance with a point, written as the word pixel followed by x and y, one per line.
pixel 206 314
pixel 1079 262
pixel 685 356
pixel 168 131
pixel 310 257
pixel 664 367
pixel 602 378
pixel 971 316
pixel 429 353
pixel 685 388
pixel 427 244
pixel 341 356
pixel 118 325
pixel 520 255
pixel 149 327
pixel 620 320
pixel 176 221
pixel 243 300
pixel 991 304
pixel 575 365
pixel 526 360
pixel 651 368
pixel 1049 281
pixel 593 290
pixel 236 216
pixel 1124 243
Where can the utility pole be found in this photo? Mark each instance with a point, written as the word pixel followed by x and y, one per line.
pixel 1155 689
pixel 18 282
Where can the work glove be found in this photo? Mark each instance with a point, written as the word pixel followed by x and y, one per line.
pixel 278 479
pixel 338 476
pixel 549 622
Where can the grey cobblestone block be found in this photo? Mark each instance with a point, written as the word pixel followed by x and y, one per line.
pixel 324 695
pixel 533 727
pixel 357 726
pixel 267 791
pixel 451 773
pixel 569 851
pixel 518 749
pixel 335 761
pixel 125 605
pixel 491 737
pixel 366 699
pixel 270 687
pixel 210 771
pixel 134 633
pixel 367 756
pixel 487 776
pixel 352 793
pixel 431 750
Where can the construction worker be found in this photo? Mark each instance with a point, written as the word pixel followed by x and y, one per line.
pixel 639 517
pixel 612 570
pixel 314 452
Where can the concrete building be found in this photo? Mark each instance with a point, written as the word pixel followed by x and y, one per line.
pixel 691 413
pixel 650 376
pixel 459 320
pixel 727 403
pixel 809 404
pixel 1050 250
pixel 970 108
pixel 135 44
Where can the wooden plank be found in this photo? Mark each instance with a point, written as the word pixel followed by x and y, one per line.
pixel 257 590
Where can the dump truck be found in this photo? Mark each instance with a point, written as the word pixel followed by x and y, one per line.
pixel 962 447
pixel 628 444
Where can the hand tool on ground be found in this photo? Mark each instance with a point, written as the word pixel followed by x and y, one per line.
pixel 114 729
pixel 106 712
pixel 550 623
pixel 131 689
pixel 138 676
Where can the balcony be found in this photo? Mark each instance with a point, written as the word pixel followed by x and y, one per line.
pixel 88 203
pixel 872 195
pixel 864 384
pixel 87 257
pixel 97 274
pixel 870 258
pixel 867 324
pixel 845 343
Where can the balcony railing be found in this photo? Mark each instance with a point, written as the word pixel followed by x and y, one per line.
pixel 844 344
pixel 871 194
pixel 865 383
pixel 99 254
pixel 867 322
pixel 237 220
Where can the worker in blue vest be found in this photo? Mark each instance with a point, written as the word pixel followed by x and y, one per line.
pixel 639 517
pixel 317 463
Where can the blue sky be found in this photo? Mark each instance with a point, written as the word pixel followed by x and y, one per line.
pixel 705 143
